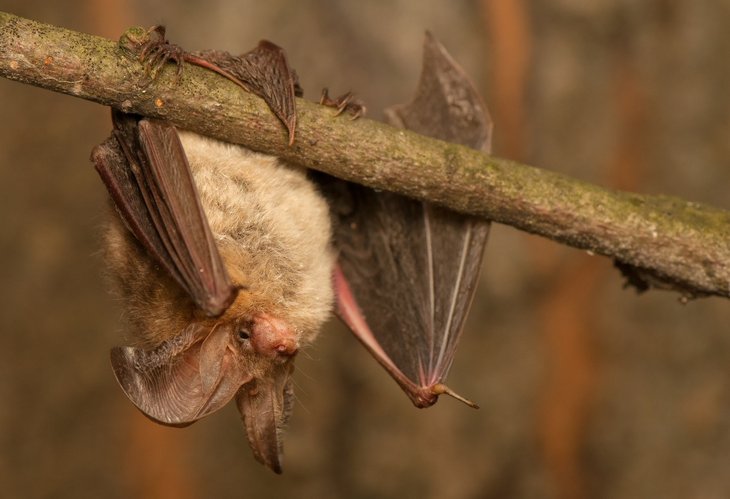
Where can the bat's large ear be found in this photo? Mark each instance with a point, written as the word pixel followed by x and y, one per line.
pixel 265 406
pixel 182 380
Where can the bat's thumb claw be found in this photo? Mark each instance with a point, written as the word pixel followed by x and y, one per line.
pixel 441 389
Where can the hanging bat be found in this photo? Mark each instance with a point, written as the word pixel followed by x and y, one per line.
pixel 408 269
pixel 223 259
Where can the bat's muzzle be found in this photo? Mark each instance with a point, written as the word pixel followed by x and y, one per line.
pixel 273 337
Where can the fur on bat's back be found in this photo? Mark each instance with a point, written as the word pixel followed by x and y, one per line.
pixel 272 229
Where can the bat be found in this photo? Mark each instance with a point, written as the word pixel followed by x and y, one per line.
pixel 224 261
pixel 220 285
pixel 222 258
pixel 408 269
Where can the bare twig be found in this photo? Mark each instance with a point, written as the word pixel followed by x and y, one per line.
pixel 662 241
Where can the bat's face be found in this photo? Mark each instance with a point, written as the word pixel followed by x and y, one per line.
pixel 196 372
pixel 189 365
pixel 272 230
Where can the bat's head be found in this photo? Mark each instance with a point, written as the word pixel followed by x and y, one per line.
pixel 195 373
pixel 184 365
pixel 272 231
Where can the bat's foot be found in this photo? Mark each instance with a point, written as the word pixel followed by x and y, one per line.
pixel 345 102
pixel 156 51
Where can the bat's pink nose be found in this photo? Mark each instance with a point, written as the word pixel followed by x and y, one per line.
pixel 273 337
pixel 287 347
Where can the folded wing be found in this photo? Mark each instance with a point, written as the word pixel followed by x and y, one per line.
pixel 408 269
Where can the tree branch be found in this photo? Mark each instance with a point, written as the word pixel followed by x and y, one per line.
pixel 659 240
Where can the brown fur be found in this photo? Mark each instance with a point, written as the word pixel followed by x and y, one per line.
pixel 272 229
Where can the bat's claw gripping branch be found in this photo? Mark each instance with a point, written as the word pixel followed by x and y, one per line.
pixel 345 102
pixel 153 49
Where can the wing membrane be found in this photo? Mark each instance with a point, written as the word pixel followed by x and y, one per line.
pixel 147 174
pixel 408 268
pixel 263 71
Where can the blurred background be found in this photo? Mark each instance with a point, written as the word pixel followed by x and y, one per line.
pixel 587 390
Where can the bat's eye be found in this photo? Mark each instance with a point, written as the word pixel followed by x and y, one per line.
pixel 244 334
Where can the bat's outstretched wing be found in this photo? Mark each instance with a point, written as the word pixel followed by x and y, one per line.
pixel 144 167
pixel 408 269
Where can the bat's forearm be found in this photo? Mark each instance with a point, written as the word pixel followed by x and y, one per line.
pixel 684 245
